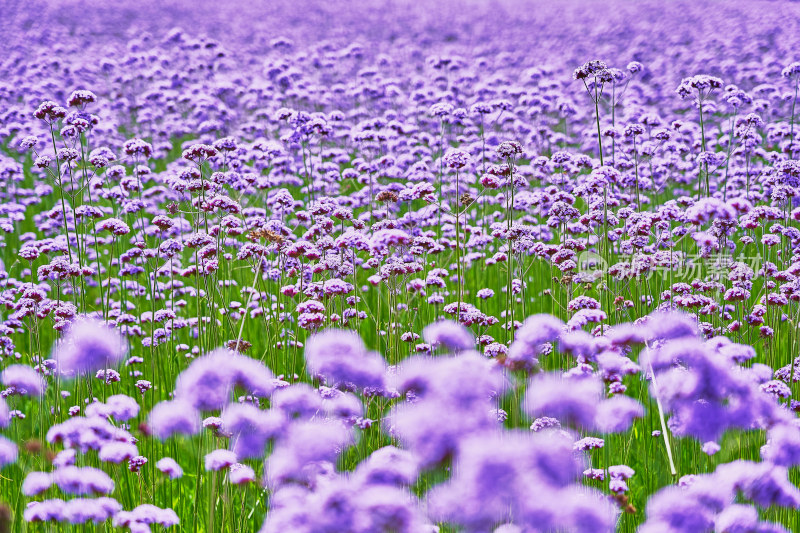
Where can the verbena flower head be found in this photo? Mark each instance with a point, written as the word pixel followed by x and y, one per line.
pixel 8 452
pixel 240 474
pixel 80 98
pixel 572 401
pixel 83 480
pixel 170 467
pixel 709 498
pixel 589 69
pixel 706 392
pixel 438 386
pixel 616 414
pixel 251 428
pixel 340 504
pixel 208 383
pixel 219 459
pixel 303 447
pixel 449 334
pixel 173 417
pixel 491 477
pixel 529 339
pixel 145 515
pixel 699 86
pixel 87 346
pixel 388 466
pixel 5 414
pixel 198 153
pixel 456 159
pixel 36 482
pixel 23 379
pixel 340 357
pixel 97 510
pixel 509 149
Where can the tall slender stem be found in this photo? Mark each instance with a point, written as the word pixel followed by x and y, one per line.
pixel 703 140
pixel 664 432
pixel 597 117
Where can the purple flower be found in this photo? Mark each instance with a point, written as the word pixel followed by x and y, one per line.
pixel 97 510
pixel 616 414
pixel 45 511
pixel 341 358
pixel 494 473
pixel 626 334
pixel 122 407
pixel 535 331
pixel 456 159
pixel 36 482
pixel 170 417
pixel 449 334
pixel 344 405
pixel 80 98
pixel 672 509
pixel 738 518
pixel 250 428
pixel 146 514
pixel 208 382
pixel 170 467
pixel 117 452
pixel 572 401
pixel 240 474
pixel 338 504
pixel 388 466
pixel 199 152
pixel 438 385
pixel 83 480
pixel 698 504
pixel 8 452
pixel 382 240
pixel 89 345
pixel 666 326
pixel 219 459
pixel 508 149
pixel 298 401
pixel 5 414
pixel 545 422
pixel 24 379
pixel 783 445
pixel 485 293
pixel 302 448
pixel 711 447
pixel 113 225
pixel 705 391
pixel 621 472
pixel 588 443
pixel 762 483
pixel 597 474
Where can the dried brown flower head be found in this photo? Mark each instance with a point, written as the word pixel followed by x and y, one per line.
pixel 266 234
pixel 386 196
pixel 33 446
pixel 240 346
pixel 624 503
pixel 5 518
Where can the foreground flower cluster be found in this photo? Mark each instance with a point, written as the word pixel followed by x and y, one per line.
pixel 345 267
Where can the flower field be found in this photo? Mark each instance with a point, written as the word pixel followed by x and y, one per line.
pixel 400 267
